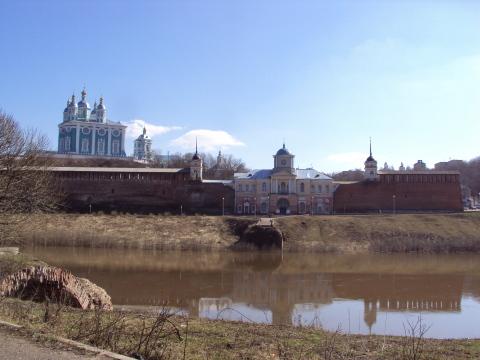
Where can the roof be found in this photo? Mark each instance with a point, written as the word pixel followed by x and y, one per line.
pixel 311 174
pixel 418 172
pixel 114 169
pixel 283 151
pixel 254 174
pixel 267 173
pixel 224 182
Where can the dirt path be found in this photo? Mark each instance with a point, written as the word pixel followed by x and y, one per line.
pixel 265 222
pixel 15 346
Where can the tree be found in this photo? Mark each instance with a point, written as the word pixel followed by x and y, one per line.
pixel 25 184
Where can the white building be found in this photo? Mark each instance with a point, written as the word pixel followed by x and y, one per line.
pixel 142 147
pixel 86 131
pixel 283 189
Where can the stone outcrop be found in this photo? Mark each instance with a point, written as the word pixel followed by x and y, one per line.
pixel 262 237
pixel 38 283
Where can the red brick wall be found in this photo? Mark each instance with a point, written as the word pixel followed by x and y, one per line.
pixel 146 195
pixel 372 196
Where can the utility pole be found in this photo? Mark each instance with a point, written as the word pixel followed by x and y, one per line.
pixel 394 205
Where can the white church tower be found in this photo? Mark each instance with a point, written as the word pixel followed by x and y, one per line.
pixel 196 166
pixel 142 147
pixel 371 169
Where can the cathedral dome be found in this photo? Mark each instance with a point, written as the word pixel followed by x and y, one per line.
pixel 283 151
pixel 196 157
pixel 370 158
pixel 83 104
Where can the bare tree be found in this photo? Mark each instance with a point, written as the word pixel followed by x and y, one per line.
pixel 25 184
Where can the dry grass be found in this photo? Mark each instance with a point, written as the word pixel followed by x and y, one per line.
pixel 13 263
pixel 431 233
pixel 162 336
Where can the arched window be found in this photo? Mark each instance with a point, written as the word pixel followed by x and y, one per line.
pixel 67 144
pixel 264 187
pixel 85 144
pixel 302 187
pixel 283 187
pixel 319 188
pixel 327 188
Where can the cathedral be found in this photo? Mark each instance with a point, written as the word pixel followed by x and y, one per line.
pixel 86 131
pixel 284 189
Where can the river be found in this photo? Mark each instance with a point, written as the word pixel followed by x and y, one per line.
pixel 357 294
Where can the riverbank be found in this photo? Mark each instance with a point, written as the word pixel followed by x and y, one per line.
pixel 429 233
pixel 165 336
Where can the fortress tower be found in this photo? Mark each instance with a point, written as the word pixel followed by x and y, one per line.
pixel 196 166
pixel 371 168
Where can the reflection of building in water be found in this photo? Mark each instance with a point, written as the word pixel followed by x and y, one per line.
pixel 213 305
pixel 389 293
pixel 281 292
pixel 199 291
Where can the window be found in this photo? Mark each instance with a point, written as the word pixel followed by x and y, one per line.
pixel 264 187
pixel 240 187
pixel 283 187
pixel 319 188
pixel 239 209
pixel 67 144
pixel 302 208
pixel 115 147
pixel 302 188
pixel 263 208
pixel 247 187
pixel 327 188
pixel 85 145
pixel 101 147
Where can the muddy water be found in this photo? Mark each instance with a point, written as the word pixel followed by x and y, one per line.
pixel 363 294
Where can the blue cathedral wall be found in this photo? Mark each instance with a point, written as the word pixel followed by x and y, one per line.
pixel 65 132
pixel 72 134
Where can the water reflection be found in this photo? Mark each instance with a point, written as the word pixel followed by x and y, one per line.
pixel 361 294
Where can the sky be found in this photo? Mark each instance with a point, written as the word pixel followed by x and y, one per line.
pixel 244 76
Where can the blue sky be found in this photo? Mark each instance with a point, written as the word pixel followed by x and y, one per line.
pixel 244 75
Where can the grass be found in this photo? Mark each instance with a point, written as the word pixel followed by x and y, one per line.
pixel 13 263
pixel 428 233
pixel 164 336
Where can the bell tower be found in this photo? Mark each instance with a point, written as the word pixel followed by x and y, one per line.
pixel 196 165
pixel 283 161
pixel 371 168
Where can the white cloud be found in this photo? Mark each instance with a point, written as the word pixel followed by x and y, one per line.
pixel 354 159
pixel 208 140
pixel 135 128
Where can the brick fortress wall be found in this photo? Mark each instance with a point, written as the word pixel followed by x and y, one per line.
pixel 142 192
pixel 413 192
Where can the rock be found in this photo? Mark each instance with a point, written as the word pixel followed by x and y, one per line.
pixel 262 237
pixel 40 282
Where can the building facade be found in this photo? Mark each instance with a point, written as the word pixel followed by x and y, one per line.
pixel 142 147
pixel 88 132
pixel 283 190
